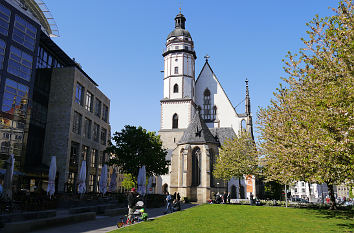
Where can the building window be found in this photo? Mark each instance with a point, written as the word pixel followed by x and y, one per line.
pixel 24 33
pixel 295 190
pixel 74 154
pixel 77 123
pixel 96 132
pixel 92 178
pixel 45 60
pixel 13 95
pixel 87 125
pixel 103 136
pixel 94 157
pixel 4 20
pixel 2 52
pixel 98 105
pixel 214 112
pixel 196 166
pixel 176 47
pixel 303 190
pixel 89 101
pixel 105 113
pixel 84 153
pixel 20 64
pixel 176 70
pixel 79 97
pixel 175 88
pixel 175 121
pixel 207 106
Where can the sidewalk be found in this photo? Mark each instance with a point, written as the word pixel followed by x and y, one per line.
pixel 102 223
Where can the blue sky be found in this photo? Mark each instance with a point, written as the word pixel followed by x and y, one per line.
pixel 119 44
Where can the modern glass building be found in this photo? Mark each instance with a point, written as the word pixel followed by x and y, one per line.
pixel 28 60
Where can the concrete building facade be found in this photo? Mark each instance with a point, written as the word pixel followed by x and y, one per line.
pixel 77 126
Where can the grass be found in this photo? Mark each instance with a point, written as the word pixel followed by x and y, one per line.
pixel 241 218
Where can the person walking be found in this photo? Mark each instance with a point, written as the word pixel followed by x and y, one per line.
pixel 251 199
pixel 224 197
pixel 228 197
pixel 178 197
pixel 132 200
pixel 169 201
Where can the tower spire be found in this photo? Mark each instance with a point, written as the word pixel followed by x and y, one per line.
pixel 180 21
pixel 249 125
pixel 248 101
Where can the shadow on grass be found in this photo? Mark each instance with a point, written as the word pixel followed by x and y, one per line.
pixel 347 215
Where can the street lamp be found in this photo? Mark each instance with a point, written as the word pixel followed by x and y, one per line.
pixel 217 185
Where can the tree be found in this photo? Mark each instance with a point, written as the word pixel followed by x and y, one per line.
pixel 307 131
pixel 237 157
pixel 136 147
pixel 128 181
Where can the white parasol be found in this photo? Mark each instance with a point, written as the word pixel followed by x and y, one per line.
pixel 113 183
pixel 82 178
pixel 103 180
pixel 51 176
pixel 142 180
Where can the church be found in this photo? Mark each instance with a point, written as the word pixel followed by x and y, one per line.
pixel 196 118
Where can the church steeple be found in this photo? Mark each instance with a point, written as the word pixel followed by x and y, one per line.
pixel 249 126
pixel 248 101
pixel 180 21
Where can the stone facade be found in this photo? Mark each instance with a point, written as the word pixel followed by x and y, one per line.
pixel 61 138
pixel 196 115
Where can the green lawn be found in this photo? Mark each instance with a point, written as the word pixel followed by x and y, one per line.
pixel 241 218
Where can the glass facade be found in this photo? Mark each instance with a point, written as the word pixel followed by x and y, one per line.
pixel 24 33
pixel 46 60
pixel 4 20
pixel 20 64
pixel 13 95
pixel 2 53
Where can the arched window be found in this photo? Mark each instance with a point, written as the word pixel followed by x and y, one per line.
pixel 196 166
pixel 175 88
pixel 175 121
pixel 212 161
pixel 207 106
pixel 214 112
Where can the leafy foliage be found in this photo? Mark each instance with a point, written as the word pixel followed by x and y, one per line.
pixel 136 147
pixel 237 157
pixel 128 181
pixel 307 132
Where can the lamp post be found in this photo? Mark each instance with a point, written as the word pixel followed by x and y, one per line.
pixel 217 185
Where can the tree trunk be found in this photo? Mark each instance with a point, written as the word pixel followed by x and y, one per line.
pixel 310 198
pixel 239 188
pixel 331 195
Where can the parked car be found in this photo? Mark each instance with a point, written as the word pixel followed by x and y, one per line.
pixel 300 200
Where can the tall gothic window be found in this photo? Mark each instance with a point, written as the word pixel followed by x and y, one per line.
pixel 212 161
pixel 176 70
pixel 207 106
pixel 196 166
pixel 175 88
pixel 175 121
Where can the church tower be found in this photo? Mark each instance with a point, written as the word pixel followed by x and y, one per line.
pixel 178 103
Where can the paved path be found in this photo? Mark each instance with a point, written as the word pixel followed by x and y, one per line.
pixel 102 223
